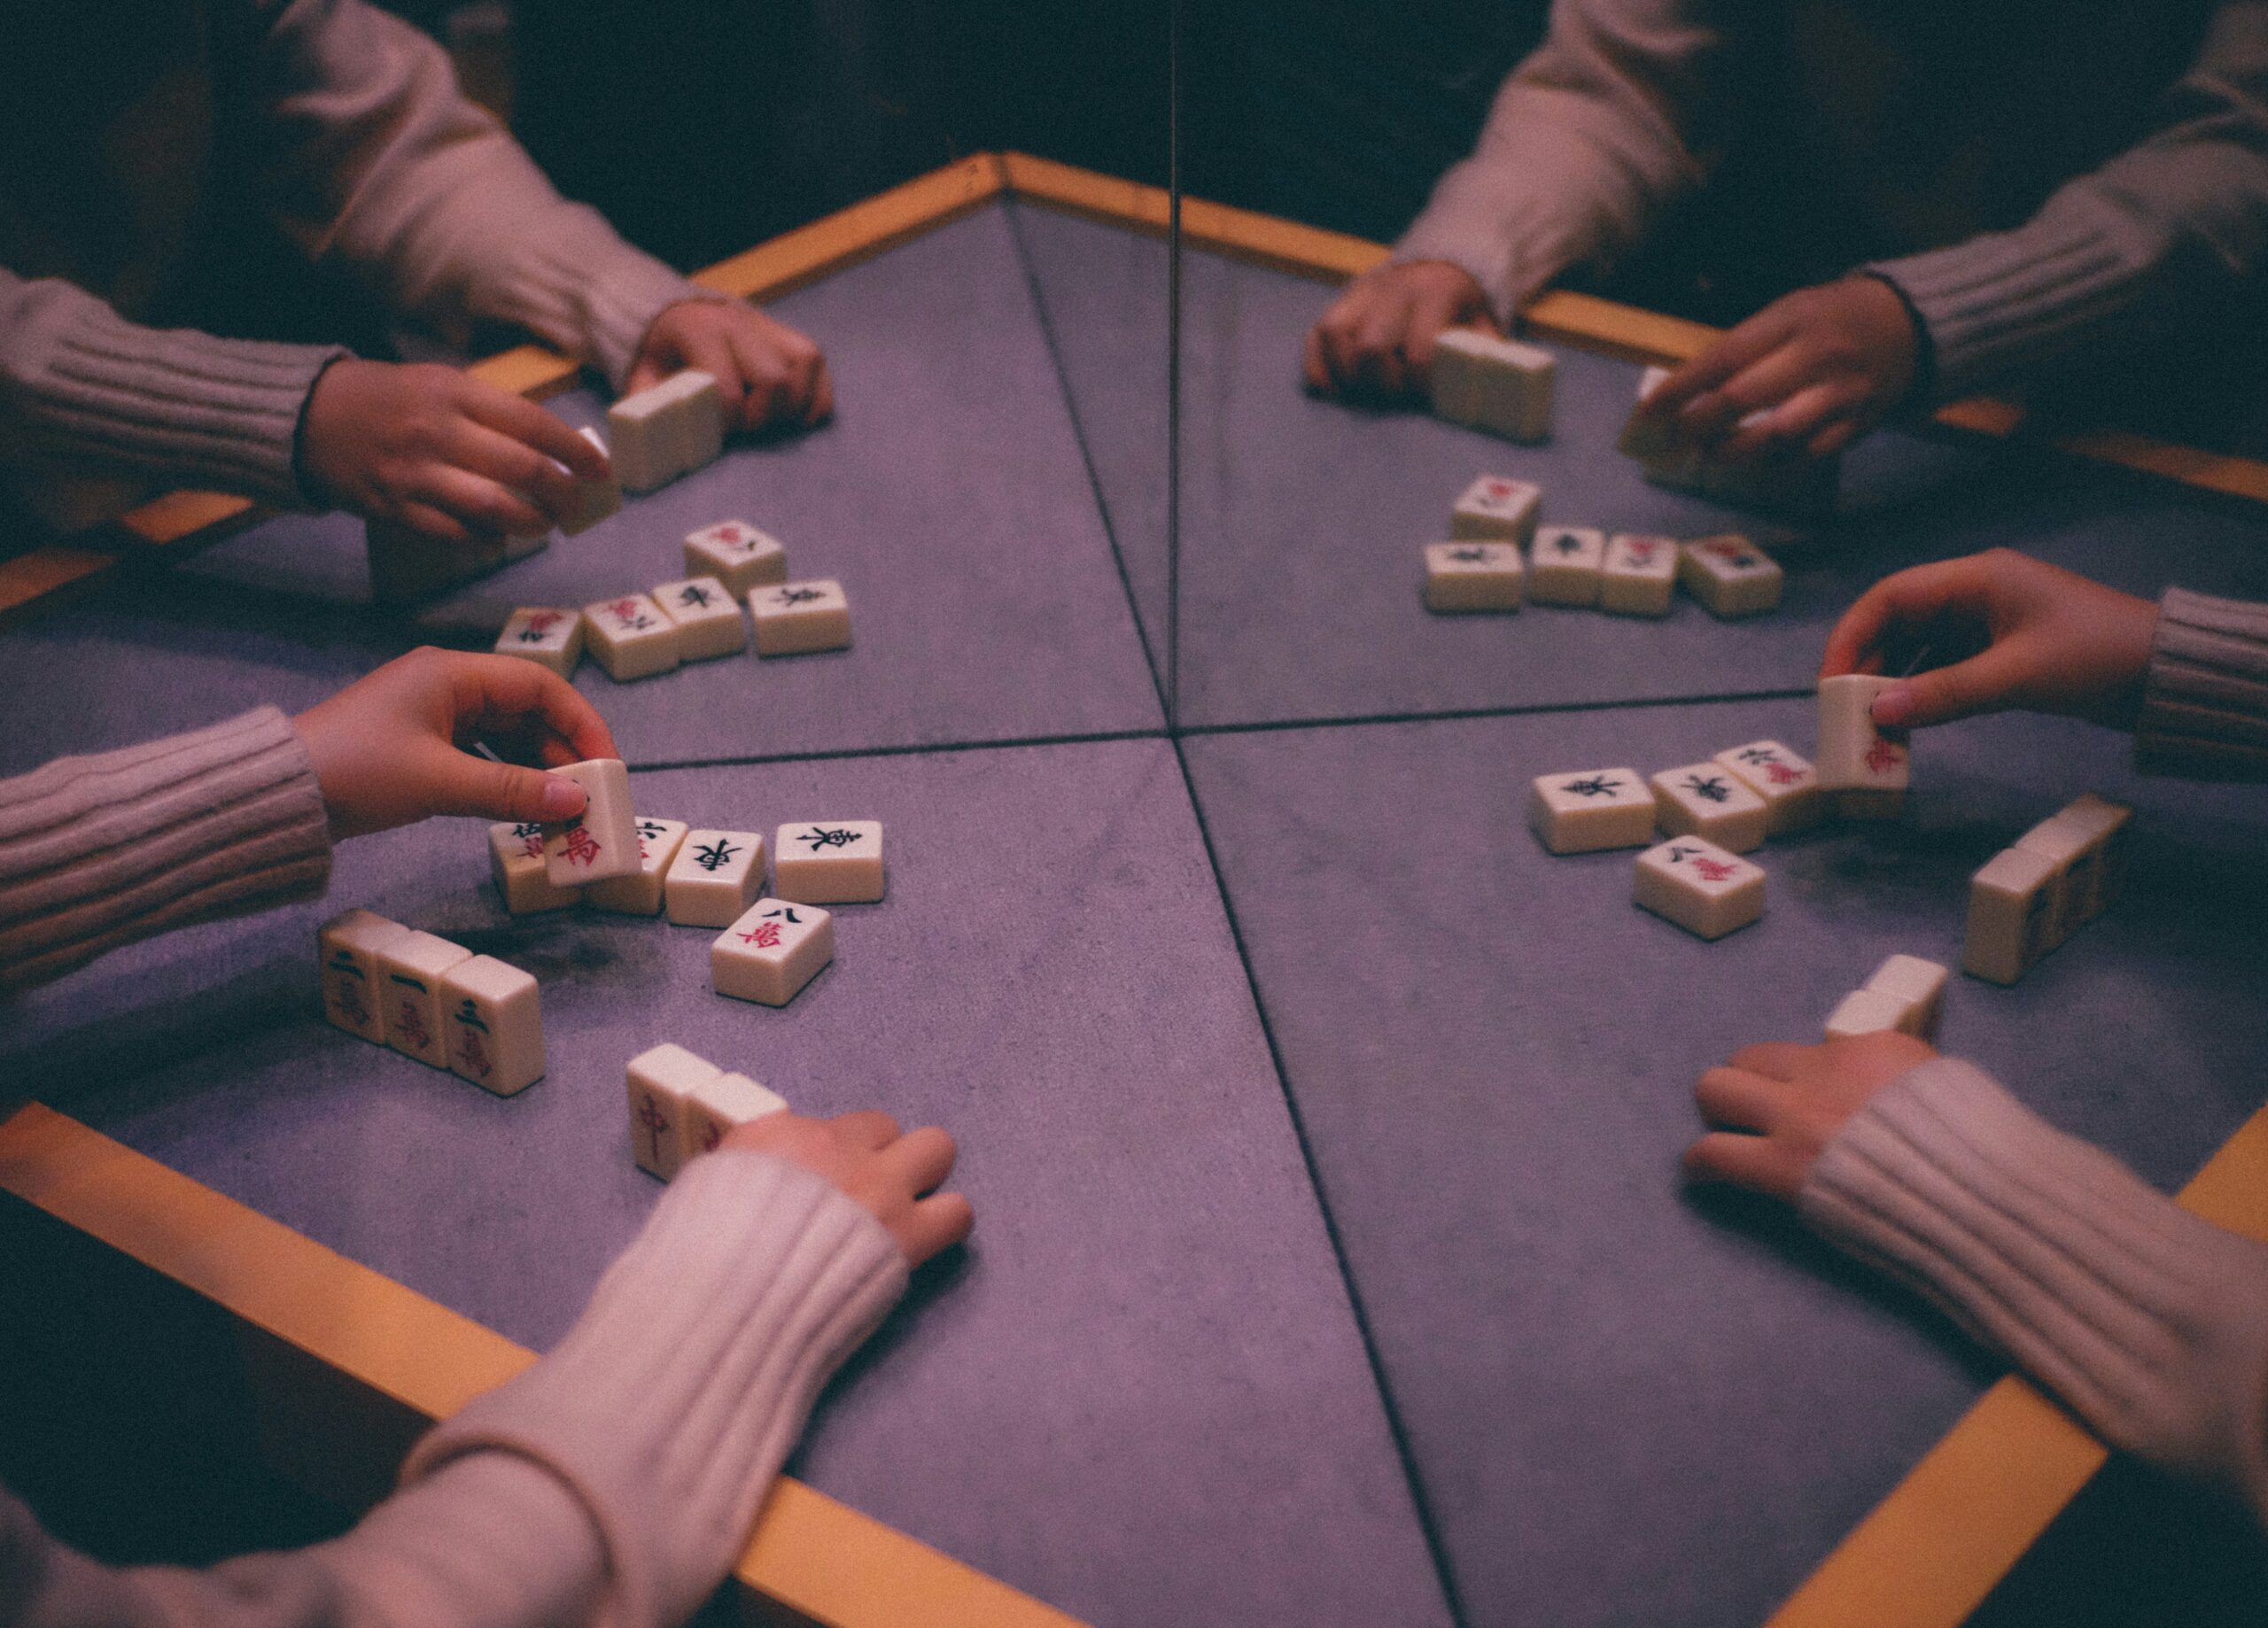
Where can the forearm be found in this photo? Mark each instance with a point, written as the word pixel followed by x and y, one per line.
pixel 614 1482
pixel 84 392
pixel 1606 122
pixel 2149 1323
pixel 387 168
pixel 98 851
pixel 2164 234
pixel 492 1541
pixel 671 1406
pixel 2205 697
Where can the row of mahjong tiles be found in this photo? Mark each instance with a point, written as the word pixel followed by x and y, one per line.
pixel 698 877
pixel 1631 574
pixel 2023 904
pixel 697 618
pixel 1714 812
pixel 481 1018
pixel 771 949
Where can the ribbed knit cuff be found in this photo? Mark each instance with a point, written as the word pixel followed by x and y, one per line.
pixel 1505 242
pixel 2205 697
pixel 96 391
pixel 2004 302
pixel 672 1402
pixel 1483 254
pixel 98 851
pixel 2150 1323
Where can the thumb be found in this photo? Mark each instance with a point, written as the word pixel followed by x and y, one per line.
pixel 1433 311
pixel 645 373
pixel 1984 683
pixel 462 784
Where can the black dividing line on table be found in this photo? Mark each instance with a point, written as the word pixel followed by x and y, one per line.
pixel 1086 455
pixel 1436 1547
pixel 1443 714
pixel 997 743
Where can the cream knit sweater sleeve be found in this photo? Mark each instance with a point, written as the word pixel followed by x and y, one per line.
pixel 2205 698
pixel 85 393
pixel 613 1483
pixel 368 157
pixel 1621 110
pixel 98 851
pixel 2150 1324
pixel 377 162
pixel 2166 225
pixel 1604 124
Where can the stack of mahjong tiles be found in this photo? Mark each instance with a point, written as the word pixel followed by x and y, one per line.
pixel 1905 995
pixel 682 1105
pixel 1485 382
pixel 1626 574
pixel 1793 486
pixel 612 860
pixel 696 618
pixel 1711 813
pixel 2033 895
pixel 478 1017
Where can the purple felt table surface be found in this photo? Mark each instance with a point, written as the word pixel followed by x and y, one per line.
pixel 1101 293
pixel 1140 1392
pixel 1302 519
pixel 950 498
pixel 1627 1403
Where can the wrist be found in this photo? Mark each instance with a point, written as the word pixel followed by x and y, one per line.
pixel 1921 379
pixel 315 490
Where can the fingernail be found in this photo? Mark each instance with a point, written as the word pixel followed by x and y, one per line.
pixel 561 798
pixel 1891 707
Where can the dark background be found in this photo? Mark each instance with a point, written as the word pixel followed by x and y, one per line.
pixel 700 128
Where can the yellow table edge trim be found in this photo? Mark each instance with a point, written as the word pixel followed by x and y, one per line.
pixel 811 1553
pixel 45 573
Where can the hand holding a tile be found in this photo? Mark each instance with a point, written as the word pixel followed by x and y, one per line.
pixel 438 451
pixel 1804 378
pixel 2020 633
pixel 1773 1108
pixel 769 374
pixel 894 1175
pixel 392 748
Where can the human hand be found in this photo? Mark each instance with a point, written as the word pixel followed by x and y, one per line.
pixel 2034 635
pixel 1804 378
pixel 1376 341
pixel 869 1161
pixel 768 373
pixel 1773 1108
pixel 440 451
pixel 387 749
